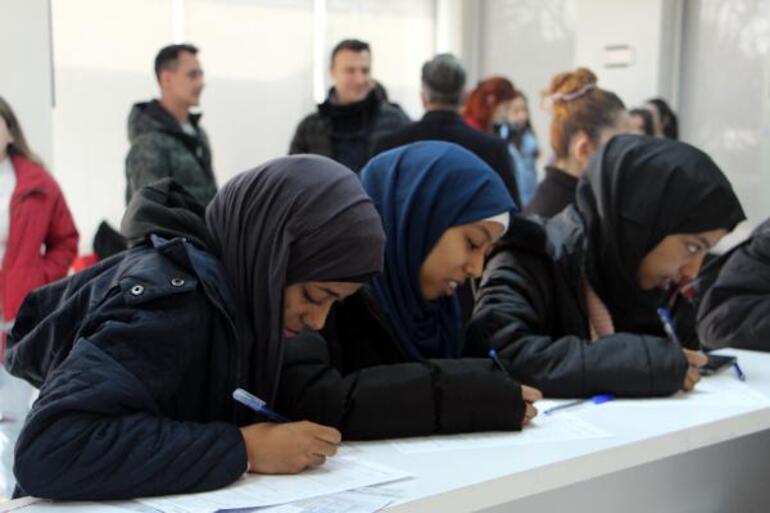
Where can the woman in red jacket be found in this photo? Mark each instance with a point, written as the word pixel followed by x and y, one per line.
pixel 38 238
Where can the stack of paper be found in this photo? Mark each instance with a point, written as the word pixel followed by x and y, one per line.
pixel 563 427
pixel 337 475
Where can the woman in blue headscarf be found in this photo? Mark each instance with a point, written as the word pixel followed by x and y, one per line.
pixel 390 361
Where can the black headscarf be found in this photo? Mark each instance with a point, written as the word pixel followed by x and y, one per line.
pixel 294 219
pixel 637 191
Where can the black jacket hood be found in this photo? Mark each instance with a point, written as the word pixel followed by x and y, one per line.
pixel 165 208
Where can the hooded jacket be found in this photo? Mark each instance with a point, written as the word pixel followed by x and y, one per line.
pixel 128 407
pixel 136 357
pixel 161 149
pixel 531 306
pixel 735 311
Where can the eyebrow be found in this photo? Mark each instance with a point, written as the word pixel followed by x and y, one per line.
pixel 704 241
pixel 330 292
pixel 485 230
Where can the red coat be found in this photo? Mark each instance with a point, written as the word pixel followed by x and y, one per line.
pixel 42 240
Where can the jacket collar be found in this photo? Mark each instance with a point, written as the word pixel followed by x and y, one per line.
pixel 30 177
pixel 200 263
pixel 444 116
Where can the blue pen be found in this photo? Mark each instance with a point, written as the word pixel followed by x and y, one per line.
pixel 739 372
pixel 493 356
pixel 597 399
pixel 668 324
pixel 258 405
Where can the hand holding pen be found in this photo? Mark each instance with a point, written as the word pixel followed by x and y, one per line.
pixel 283 447
pixel 528 394
pixel 695 359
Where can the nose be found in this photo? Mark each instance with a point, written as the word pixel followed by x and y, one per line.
pixel 315 318
pixel 475 264
pixel 691 269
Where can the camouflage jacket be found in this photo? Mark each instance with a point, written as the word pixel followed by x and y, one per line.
pixel 160 149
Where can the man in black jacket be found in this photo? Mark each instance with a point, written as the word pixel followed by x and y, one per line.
pixel 443 81
pixel 353 116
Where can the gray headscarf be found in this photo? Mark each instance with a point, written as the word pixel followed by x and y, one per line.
pixel 294 219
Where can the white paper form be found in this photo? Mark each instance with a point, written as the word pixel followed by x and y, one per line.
pixel 364 500
pixel 336 475
pixel 559 427
pixel 32 505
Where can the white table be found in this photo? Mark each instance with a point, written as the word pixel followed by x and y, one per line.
pixel 686 458
pixel 671 459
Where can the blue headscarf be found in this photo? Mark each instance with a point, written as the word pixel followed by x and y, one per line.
pixel 421 190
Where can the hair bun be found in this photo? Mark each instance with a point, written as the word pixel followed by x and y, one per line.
pixel 572 81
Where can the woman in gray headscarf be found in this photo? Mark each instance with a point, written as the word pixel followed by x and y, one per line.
pixel 137 357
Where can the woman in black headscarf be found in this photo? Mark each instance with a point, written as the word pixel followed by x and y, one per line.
pixel 137 357
pixel 571 303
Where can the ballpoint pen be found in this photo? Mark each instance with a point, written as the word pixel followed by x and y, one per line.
pixel 258 405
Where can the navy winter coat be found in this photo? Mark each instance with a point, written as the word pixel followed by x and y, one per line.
pixel 135 359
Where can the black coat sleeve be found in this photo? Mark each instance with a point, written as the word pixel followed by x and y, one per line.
pixel 97 430
pixel 507 171
pixel 512 316
pixel 299 139
pixel 735 311
pixel 398 400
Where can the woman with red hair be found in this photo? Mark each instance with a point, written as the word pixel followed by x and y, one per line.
pixel 496 106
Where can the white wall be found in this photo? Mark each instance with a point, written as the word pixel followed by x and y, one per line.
pixel 101 68
pixel 648 27
pixel 725 94
pixel 257 59
pixel 528 41
pixel 25 78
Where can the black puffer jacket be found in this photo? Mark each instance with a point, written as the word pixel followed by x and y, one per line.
pixel 135 359
pixel 531 308
pixel 735 311
pixel 346 133
pixel 357 378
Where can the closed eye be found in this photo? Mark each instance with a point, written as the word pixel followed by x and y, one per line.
pixel 309 298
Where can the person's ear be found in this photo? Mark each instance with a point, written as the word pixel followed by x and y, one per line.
pixel 424 98
pixel 581 149
pixel 163 79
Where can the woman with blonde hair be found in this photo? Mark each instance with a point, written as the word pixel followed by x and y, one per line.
pixel 583 118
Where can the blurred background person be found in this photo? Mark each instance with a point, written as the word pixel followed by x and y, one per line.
pixel 583 118
pixel 641 120
pixel 664 120
pixel 38 242
pixel 497 107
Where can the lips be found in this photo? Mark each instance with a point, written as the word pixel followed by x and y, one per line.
pixel 450 287
pixel 287 333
